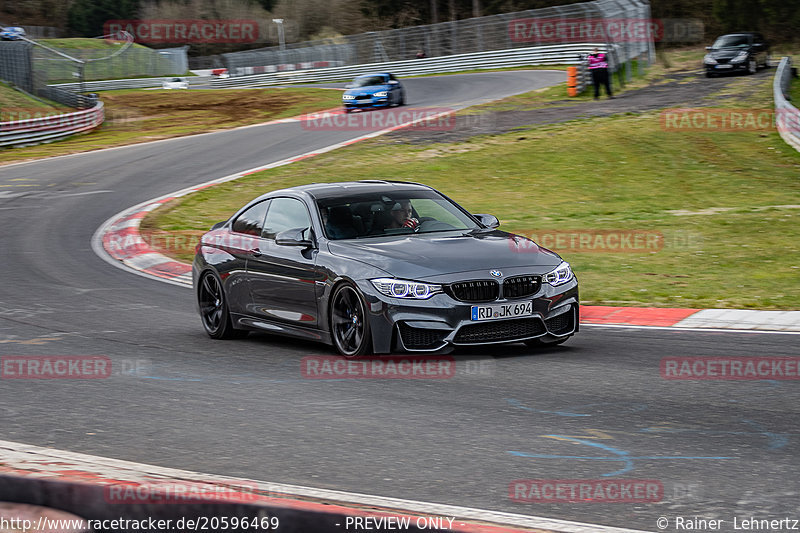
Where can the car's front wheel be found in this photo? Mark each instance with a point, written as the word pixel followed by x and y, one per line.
pixel 349 323
pixel 214 309
pixel 752 66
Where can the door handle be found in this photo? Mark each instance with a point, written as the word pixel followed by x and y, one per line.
pixel 256 252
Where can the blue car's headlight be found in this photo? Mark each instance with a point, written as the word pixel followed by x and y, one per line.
pixel 348 97
pixel 398 288
pixel 560 275
pixel 381 94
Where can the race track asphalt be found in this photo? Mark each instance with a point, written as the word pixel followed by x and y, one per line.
pixel 596 408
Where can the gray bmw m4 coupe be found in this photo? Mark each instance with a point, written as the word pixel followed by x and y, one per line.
pixel 379 267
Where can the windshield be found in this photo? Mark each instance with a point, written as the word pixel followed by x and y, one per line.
pixel 732 41
pixel 393 213
pixel 366 81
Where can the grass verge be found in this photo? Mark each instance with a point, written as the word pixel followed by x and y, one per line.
pixel 134 116
pixel 726 204
pixel 16 105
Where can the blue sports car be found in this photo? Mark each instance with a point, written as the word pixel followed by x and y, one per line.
pixel 373 90
pixel 12 33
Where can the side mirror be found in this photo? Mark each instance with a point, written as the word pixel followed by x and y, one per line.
pixel 218 225
pixel 709 47
pixel 393 82
pixel 490 221
pixel 293 237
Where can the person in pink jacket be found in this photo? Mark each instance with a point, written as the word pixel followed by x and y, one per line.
pixel 598 66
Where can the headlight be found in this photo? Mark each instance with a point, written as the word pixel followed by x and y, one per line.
pixel 560 275
pixel 398 288
pixel 381 94
pixel 741 57
pixel 348 97
pixel 708 60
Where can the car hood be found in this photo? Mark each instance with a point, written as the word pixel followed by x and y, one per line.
pixel 358 91
pixel 432 257
pixel 726 53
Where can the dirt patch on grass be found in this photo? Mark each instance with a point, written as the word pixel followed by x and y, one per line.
pixel 135 116
pixel 238 106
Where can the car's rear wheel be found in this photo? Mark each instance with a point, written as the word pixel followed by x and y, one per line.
pixel 214 309
pixel 402 98
pixel 349 322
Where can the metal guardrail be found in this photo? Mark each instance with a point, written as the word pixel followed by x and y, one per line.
pixel 45 129
pixel 562 54
pixel 788 116
pixel 133 83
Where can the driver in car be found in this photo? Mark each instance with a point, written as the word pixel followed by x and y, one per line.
pixel 401 216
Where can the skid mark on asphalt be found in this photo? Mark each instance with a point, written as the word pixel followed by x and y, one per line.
pixel 517 403
pixel 571 411
pixel 616 455
pixel 775 441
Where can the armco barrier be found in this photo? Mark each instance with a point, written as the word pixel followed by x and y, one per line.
pixel 562 54
pixel 45 129
pixel 789 116
pixel 134 83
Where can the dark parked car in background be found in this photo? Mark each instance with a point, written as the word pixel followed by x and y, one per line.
pixel 379 266
pixel 373 90
pixel 736 52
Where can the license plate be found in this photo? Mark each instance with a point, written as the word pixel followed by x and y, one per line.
pixel 724 66
pixel 494 312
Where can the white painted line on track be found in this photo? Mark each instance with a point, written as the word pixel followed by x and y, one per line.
pixel 44 461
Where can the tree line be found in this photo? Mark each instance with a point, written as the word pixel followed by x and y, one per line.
pixel 310 19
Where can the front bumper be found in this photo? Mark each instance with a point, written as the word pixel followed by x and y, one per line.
pixel 723 68
pixel 441 321
pixel 366 103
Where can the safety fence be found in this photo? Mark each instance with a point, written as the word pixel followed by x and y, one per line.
pixel 133 83
pixel 788 115
pixel 32 66
pixel 563 54
pixel 624 25
pixel 50 128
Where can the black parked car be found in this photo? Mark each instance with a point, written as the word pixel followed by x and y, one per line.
pixel 379 266
pixel 736 52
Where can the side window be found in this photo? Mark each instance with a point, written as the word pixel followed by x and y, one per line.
pixel 251 221
pixel 427 208
pixel 285 213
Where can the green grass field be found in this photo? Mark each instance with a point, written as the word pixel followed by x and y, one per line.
pixel 16 105
pixel 726 204
pixel 794 92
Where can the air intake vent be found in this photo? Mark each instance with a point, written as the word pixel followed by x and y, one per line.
pixel 474 291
